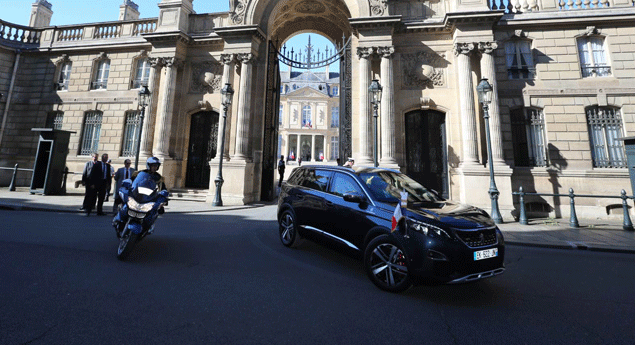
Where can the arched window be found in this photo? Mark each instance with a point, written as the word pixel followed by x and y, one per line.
pixel 528 135
pixel 593 61
pixel 605 126
pixel 306 117
pixel 100 74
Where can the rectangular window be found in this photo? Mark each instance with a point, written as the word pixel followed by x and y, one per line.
pixel 528 135
pixel 65 75
pixel 520 64
pixel 143 74
pixel 592 57
pixel 306 117
pixel 54 120
pixel 335 117
pixel 605 126
pixel 335 148
pixel 280 115
pixel 101 75
pixel 131 134
pixel 336 91
pixel 92 130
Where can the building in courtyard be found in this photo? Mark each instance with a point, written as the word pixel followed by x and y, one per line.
pixel 563 74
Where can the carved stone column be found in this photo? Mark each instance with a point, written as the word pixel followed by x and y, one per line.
pixel 387 114
pixel 244 107
pixel 466 101
pixel 326 154
pixel 313 148
pixel 297 148
pixel 365 120
pixel 488 70
pixel 147 134
pixel 165 109
pixel 228 67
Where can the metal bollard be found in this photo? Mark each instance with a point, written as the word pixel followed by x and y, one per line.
pixel 15 174
pixel 523 214
pixel 573 220
pixel 64 180
pixel 628 225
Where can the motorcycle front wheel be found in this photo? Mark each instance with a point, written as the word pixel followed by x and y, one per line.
pixel 126 243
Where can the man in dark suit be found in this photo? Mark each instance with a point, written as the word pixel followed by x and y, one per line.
pixel 98 179
pixel 121 174
pixel 85 176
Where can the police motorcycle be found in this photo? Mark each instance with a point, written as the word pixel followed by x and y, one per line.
pixel 143 201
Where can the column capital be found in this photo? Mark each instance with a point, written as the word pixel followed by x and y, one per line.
pixel 172 62
pixel 155 62
pixel 227 59
pixel 487 47
pixel 364 52
pixel 386 52
pixel 463 48
pixel 245 58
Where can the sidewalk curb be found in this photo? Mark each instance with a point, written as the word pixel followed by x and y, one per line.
pixel 560 246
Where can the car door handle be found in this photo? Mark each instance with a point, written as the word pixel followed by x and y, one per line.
pixel 329 203
pixel 300 196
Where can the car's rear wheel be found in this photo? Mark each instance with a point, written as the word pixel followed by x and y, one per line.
pixel 386 264
pixel 289 229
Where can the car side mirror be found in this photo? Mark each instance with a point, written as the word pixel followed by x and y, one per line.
pixel 356 198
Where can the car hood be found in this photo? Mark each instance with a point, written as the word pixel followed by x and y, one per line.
pixel 449 213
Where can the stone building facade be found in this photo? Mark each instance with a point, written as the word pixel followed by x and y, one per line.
pixel 562 73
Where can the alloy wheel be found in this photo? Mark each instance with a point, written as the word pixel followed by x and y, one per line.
pixel 388 265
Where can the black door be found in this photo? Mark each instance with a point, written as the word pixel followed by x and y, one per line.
pixel 270 135
pixel 202 148
pixel 426 149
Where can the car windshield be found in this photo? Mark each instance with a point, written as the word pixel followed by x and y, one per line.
pixel 385 186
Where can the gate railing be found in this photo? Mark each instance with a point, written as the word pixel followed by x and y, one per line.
pixel 16 168
pixel 573 219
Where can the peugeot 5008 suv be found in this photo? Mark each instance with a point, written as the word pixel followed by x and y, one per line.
pixel 436 241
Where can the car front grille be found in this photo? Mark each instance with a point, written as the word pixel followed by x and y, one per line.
pixel 478 238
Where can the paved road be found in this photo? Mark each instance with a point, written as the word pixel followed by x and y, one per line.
pixel 226 279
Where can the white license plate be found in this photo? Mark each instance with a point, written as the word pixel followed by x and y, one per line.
pixel 486 254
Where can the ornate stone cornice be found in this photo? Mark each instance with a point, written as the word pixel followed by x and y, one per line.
pixel 487 47
pixel 386 52
pixel 364 52
pixel 463 48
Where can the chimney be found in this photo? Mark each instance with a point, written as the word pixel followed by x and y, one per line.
pixel 41 14
pixel 128 11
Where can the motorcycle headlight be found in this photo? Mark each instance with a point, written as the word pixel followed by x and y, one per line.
pixel 135 206
pixel 427 229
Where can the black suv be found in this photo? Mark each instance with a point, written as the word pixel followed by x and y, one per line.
pixel 436 241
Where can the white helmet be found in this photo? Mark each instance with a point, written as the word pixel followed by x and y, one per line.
pixel 152 160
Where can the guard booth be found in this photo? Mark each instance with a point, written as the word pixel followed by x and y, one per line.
pixel 629 145
pixel 50 161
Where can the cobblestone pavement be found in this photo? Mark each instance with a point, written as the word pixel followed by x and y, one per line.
pixel 593 234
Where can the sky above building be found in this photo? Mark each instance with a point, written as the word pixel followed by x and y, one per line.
pixel 70 12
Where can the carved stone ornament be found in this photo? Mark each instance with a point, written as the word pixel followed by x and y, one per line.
pixel 419 70
pixel 245 57
pixel 385 52
pixel 172 62
pixel 378 8
pixel 238 16
pixel 155 62
pixel 463 48
pixel 206 77
pixel 591 30
pixel 63 59
pixel 312 7
pixel 227 59
pixel 364 52
pixel 520 33
pixel 487 47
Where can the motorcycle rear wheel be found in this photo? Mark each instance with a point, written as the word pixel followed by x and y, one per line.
pixel 126 243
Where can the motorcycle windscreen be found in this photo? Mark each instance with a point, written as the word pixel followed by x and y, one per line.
pixel 144 188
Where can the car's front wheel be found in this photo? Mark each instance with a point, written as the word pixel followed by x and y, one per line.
pixel 386 264
pixel 289 229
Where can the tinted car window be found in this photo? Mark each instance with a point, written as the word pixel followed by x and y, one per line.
pixel 344 184
pixel 316 179
pixel 385 186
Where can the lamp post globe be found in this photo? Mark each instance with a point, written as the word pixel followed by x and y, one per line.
pixel 375 98
pixel 484 90
pixel 227 93
pixel 144 100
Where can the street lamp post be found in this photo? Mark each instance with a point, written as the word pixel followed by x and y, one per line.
pixel 227 93
pixel 375 93
pixel 144 100
pixel 484 90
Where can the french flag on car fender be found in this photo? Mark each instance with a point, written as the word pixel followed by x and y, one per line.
pixel 396 217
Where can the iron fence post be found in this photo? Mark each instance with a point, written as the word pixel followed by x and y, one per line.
pixel 573 220
pixel 523 215
pixel 628 225
pixel 13 178
pixel 64 180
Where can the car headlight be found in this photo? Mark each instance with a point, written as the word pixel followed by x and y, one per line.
pixel 427 229
pixel 135 206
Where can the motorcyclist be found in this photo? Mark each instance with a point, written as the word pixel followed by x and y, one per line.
pixel 152 167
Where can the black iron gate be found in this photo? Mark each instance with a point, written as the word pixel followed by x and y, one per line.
pixel 426 156
pixel 345 141
pixel 270 137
